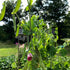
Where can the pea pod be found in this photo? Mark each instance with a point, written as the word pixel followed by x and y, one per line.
pixel 17 7
pixel 14 22
pixel 3 11
pixel 17 32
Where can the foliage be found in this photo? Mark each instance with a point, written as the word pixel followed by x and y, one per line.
pixel 5 62
pixel 42 44
pixel 66 26
pixel 58 63
pixel 3 11
pixel 17 7
pixel 7 31
pixel 52 11
pixel 43 48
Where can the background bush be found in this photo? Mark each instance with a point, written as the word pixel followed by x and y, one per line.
pixel 6 62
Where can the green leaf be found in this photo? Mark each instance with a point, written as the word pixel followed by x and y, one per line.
pixel 3 11
pixel 17 7
pixel 34 22
pixel 58 51
pixel 20 69
pixel 14 65
pixel 27 8
pixel 22 22
pixel 17 32
pixel 30 2
pixel 14 22
pixel 26 27
pixel 40 47
pixel 65 44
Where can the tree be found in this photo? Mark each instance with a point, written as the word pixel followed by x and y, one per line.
pixel 66 25
pixel 53 11
pixel 67 19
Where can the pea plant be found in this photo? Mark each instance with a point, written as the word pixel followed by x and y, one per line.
pixel 42 51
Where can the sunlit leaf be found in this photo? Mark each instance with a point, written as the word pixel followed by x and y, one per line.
pixel 3 11
pixel 14 65
pixel 41 46
pixel 22 22
pixel 65 44
pixel 17 32
pixel 17 7
pixel 20 69
pixel 58 50
pixel 31 1
pixel 27 8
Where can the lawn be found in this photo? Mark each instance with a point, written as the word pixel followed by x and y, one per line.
pixel 7 49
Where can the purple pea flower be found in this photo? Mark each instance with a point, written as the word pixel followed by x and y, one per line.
pixel 16 43
pixel 29 57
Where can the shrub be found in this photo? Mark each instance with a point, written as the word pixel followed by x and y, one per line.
pixel 6 62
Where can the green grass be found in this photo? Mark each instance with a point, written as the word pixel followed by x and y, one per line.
pixel 7 49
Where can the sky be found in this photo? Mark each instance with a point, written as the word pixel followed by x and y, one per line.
pixel 24 2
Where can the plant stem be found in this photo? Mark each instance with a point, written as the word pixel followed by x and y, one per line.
pixel 18 53
pixel 18 18
pixel 30 20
